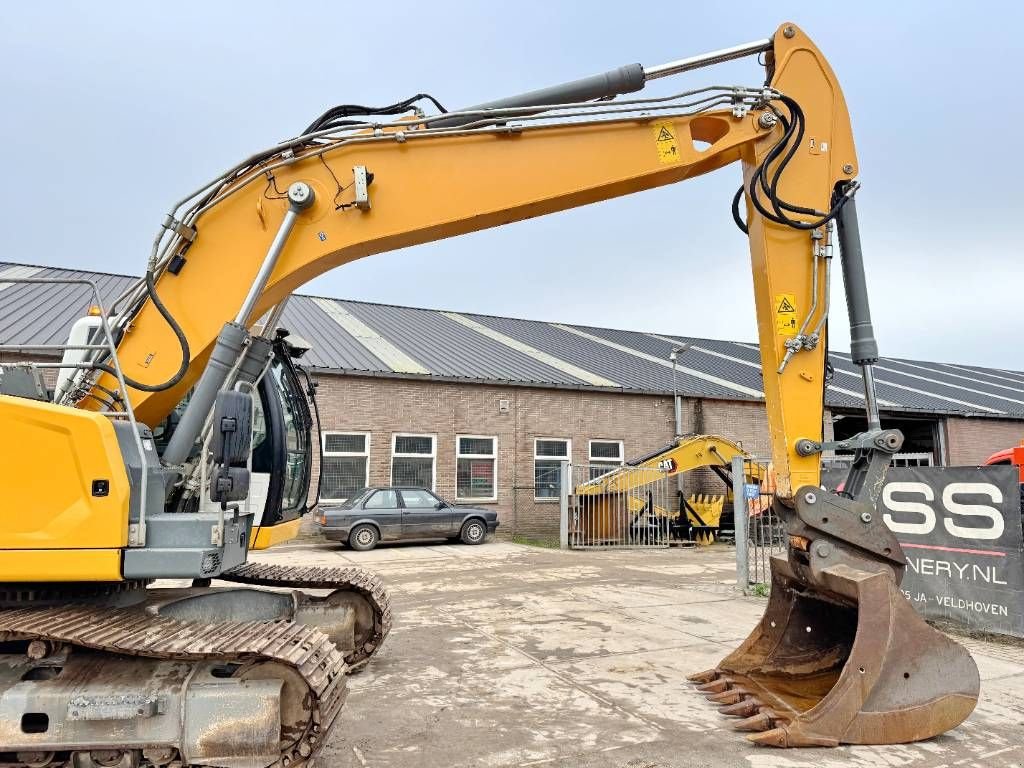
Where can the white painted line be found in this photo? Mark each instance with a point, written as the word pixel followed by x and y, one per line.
pixel 937 396
pixel 880 367
pixel 706 351
pixel 17 272
pixel 748 363
pixel 934 395
pixel 860 396
pixel 1019 389
pixel 1012 377
pixel 748 391
pixel 373 342
pixel 536 354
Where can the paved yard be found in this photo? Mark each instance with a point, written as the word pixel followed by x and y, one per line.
pixel 506 655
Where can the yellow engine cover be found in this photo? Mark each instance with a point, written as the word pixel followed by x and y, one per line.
pixel 54 525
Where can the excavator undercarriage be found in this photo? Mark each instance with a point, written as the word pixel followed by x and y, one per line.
pixel 225 676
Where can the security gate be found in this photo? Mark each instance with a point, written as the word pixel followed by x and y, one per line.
pixel 620 507
pixel 760 532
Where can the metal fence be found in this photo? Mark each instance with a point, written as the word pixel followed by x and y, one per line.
pixel 760 532
pixel 623 507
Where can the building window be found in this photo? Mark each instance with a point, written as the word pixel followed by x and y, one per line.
pixel 476 468
pixel 412 460
pixel 604 456
pixel 346 464
pixel 548 455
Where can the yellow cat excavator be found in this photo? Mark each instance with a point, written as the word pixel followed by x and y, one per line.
pixel 620 505
pixel 98 669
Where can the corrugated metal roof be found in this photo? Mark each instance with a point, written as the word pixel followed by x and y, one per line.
pixel 358 337
pixel 43 314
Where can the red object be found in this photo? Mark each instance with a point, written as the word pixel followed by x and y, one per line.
pixel 1013 456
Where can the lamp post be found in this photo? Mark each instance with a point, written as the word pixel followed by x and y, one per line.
pixel 676 401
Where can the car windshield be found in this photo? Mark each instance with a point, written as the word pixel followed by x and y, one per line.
pixel 354 499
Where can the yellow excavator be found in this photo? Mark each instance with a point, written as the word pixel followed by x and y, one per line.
pixel 621 505
pixel 99 670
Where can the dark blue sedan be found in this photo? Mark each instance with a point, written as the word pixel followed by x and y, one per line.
pixel 396 513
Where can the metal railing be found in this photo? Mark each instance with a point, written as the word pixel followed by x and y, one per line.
pixel 834 468
pixel 137 531
pixel 621 507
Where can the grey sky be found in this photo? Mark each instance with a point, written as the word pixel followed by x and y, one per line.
pixel 112 111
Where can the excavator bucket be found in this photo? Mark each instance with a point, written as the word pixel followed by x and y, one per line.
pixel 840 656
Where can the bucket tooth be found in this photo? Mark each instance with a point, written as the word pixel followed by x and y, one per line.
pixel 776 737
pixel 742 708
pixel 728 697
pixel 762 721
pixel 715 686
pixel 703 677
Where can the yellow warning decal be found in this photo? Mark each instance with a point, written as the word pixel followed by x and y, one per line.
pixel 665 140
pixel 785 314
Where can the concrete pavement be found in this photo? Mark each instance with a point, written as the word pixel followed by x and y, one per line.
pixel 507 655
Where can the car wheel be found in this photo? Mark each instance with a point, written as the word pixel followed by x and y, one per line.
pixel 473 532
pixel 363 538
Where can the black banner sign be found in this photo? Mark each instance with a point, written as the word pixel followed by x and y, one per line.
pixel 960 528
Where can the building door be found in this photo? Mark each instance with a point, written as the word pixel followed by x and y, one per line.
pixel 922 441
pixel 424 515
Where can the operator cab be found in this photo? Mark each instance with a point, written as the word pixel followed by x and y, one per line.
pixel 282 444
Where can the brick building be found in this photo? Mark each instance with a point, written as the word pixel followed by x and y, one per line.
pixel 482 409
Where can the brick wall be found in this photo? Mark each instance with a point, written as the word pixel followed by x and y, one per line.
pixel 971 441
pixel 383 406
pixel 644 423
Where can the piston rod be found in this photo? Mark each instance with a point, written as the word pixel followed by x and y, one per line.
pixel 300 197
pixel 234 339
pixel 707 59
pixel 607 85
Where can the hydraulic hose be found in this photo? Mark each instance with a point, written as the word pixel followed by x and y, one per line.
pixel 182 341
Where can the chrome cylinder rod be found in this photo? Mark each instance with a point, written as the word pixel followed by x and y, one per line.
pixel 607 85
pixel 870 401
pixel 273 318
pixel 300 197
pixel 707 59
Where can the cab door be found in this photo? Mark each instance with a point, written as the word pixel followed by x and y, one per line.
pixel 424 515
